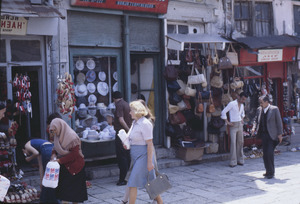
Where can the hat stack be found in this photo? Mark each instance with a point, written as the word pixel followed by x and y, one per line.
pixel 66 94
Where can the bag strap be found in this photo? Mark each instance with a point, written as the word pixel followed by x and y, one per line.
pixel 156 173
pixel 193 68
pixel 199 97
pixel 232 48
pixel 210 98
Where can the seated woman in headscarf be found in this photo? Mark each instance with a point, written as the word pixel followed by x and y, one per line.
pixel 67 149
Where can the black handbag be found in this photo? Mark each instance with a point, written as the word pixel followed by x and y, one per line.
pixel 217 122
pixel 174 98
pixel 173 86
pixel 225 63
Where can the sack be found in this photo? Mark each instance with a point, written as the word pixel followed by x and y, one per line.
pixel 225 63
pixel 216 81
pixel 170 73
pixel 158 185
pixel 189 54
pixel 182 87
pixel 173 108
pixel 189 91
pixel 210 108
pixel 196 79
pixel 233 56
pixel 173 86
pixel 199 107
pixel 51 175
pixel 4 185
pixel 177 118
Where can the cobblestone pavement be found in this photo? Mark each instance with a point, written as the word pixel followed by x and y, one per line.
pixel 216 182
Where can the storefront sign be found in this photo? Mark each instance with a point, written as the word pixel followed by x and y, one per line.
pixel 269 55
pixel 12 25
pixel 152 6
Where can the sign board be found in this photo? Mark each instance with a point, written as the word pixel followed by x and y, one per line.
pixel 269 55
pixel 12 25
pixel 152 6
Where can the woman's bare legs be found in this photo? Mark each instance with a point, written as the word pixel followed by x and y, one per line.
pixel 132 195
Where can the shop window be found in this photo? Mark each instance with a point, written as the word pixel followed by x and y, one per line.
pixel 95 78
pixel 25 50
pixel 3 84
pixel 249 71
pixel 262 18
pixel 2 51
pixel 142 80
pixel 297 19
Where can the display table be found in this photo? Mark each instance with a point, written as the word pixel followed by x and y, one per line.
pixel 98 149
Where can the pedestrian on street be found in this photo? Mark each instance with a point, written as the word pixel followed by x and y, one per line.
pixel 141 150
pixel 122 120
pixel 67 149
pixel 236 114
pixel 268 125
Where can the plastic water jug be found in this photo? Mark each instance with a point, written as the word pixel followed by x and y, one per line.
pixel 4 185
pixel 51 175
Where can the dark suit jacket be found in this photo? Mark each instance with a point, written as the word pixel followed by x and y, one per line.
pixel 274 122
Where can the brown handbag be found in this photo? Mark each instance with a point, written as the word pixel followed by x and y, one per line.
pixel 225 63
pixel 210 108
pixel 189 54
pixel 200 107
pixel 170 72
pixel 177 118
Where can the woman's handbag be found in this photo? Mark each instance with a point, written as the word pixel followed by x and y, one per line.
pixel 51 175
pixel 177 118
pixel 173 86
pixel 216 57
pixel 170 73
pixel 158 185
pixel 189 54
pixel 216 81
pixel 173 109
pixel 190 91
pixel 181 105
pixel 233 56
pixel 226 98
pixel 210 107
pixel 196 79
pixel 199 107
pixel 182 87
pixel 224 63
pixel 174 98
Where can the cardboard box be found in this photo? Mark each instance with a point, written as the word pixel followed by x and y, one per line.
pixel 190 153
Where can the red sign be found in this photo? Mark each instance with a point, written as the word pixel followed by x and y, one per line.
pixel 152 6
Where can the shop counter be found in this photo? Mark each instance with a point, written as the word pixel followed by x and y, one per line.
pixel 98 149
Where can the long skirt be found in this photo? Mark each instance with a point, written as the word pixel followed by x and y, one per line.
pixel 139 173
pixel 70 187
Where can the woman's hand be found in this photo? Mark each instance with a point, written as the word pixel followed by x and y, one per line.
pixel 150 166
pixel 53 157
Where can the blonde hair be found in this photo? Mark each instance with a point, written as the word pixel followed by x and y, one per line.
pixel 138 108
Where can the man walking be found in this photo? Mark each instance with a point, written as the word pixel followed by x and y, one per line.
pixel 122 120
pixel 236 114
pixel 268 125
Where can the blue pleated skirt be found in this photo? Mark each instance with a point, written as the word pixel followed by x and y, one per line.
pixel 139 173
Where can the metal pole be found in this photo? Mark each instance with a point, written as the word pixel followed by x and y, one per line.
pixel 126 54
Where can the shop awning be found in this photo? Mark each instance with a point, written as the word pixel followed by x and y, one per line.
pixel 23 8
pixel 276 41
pixel 176 41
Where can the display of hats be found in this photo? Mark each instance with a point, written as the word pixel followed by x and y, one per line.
pixel 90 76
pixel 80 90
pixel 81 100
pixel 102 76
pixel 89 121
pixel 102 88
pixel 82 110
pixel 92 109
pixel 92 135
pixel 79 65
pixel 115 87
pixel 91 87
pixel 92 99
pixel 115 76
pixel 80 78
pixel 82 106
pixel 101 106
pixel 91 64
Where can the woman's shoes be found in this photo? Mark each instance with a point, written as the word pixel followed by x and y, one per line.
pixel 124 202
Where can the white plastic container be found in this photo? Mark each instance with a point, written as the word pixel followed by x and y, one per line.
pixel 51 175
pixel 4 185
pixel 124 138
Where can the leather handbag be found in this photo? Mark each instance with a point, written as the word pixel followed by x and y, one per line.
pixel 216 81
pixel 182 105
pixel 232 55
pixel 196 79
pixel 173 86
pixel 174 98
pixel 224 63
pixel 182 87
pixel 189 54
pixel 217 122
pixel 190 91
pixel 177 118
pixel 209 58
pixel 173 108
pixel 170 72
pixel 200 107
pixel 158 185
pixel 210 108
pixel 216 57
pixel 226 98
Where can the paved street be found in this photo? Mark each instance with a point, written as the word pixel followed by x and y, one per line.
pixel 215 182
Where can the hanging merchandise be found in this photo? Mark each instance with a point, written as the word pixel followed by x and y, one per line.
pixel 170 72
pixel 22 95
pixel 66 94
pixel 216 57
pixel 196 79
pixel 209 58
pixel 210 107
pixel 189 54
pixel 232 55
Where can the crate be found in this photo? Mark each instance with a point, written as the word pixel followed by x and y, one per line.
pixel 190 153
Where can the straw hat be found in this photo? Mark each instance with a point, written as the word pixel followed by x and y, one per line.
pixel 102 76
pixel 91 87
pixel 115 87
pixel 91 64
pixel 115 76
pixel 90 76
pixel 79 65
pixel 80 78
pixel 80 90
pixel 92 99
pixel 102 88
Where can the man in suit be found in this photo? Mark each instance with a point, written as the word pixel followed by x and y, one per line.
pixel 268 125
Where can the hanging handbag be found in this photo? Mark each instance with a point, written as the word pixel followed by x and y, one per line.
pixel 170 72
pixel 187 104
pixel 210 108
pixel 216 81
pixel 189 54
pixel 177 118
pixel 181 105
pixel 204 84
pixel 158 185
pixel 173 86
pixel 174 98
pixel 199 107
pixel 216 57
pixel 173 109
pixel 226 98
pixel 209 58
pixel 182 87
pixel 190 91
pixel 217 122
pixel 224 63
pixel 196 79
pixel 232 55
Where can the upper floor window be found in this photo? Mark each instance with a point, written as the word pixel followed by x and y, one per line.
pixel 256 21
pixel 297 19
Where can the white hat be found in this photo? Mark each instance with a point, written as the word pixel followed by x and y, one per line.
pixel 101 106
pixel 79 65
pixel 90 76
pixel 102 88
pixel 91 64
pixel 82 110
pixel 115 76
pixel 80 78
pixel 115 87
pixel 80 90
pixel 102 76
pixel 92 99
pixel 91 87
pixel 82 106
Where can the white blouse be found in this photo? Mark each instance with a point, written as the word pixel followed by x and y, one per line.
pixel 140 131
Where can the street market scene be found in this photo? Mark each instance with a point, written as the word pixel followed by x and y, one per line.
pixel 149 101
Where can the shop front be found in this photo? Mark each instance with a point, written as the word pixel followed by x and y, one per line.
pixel 114 50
